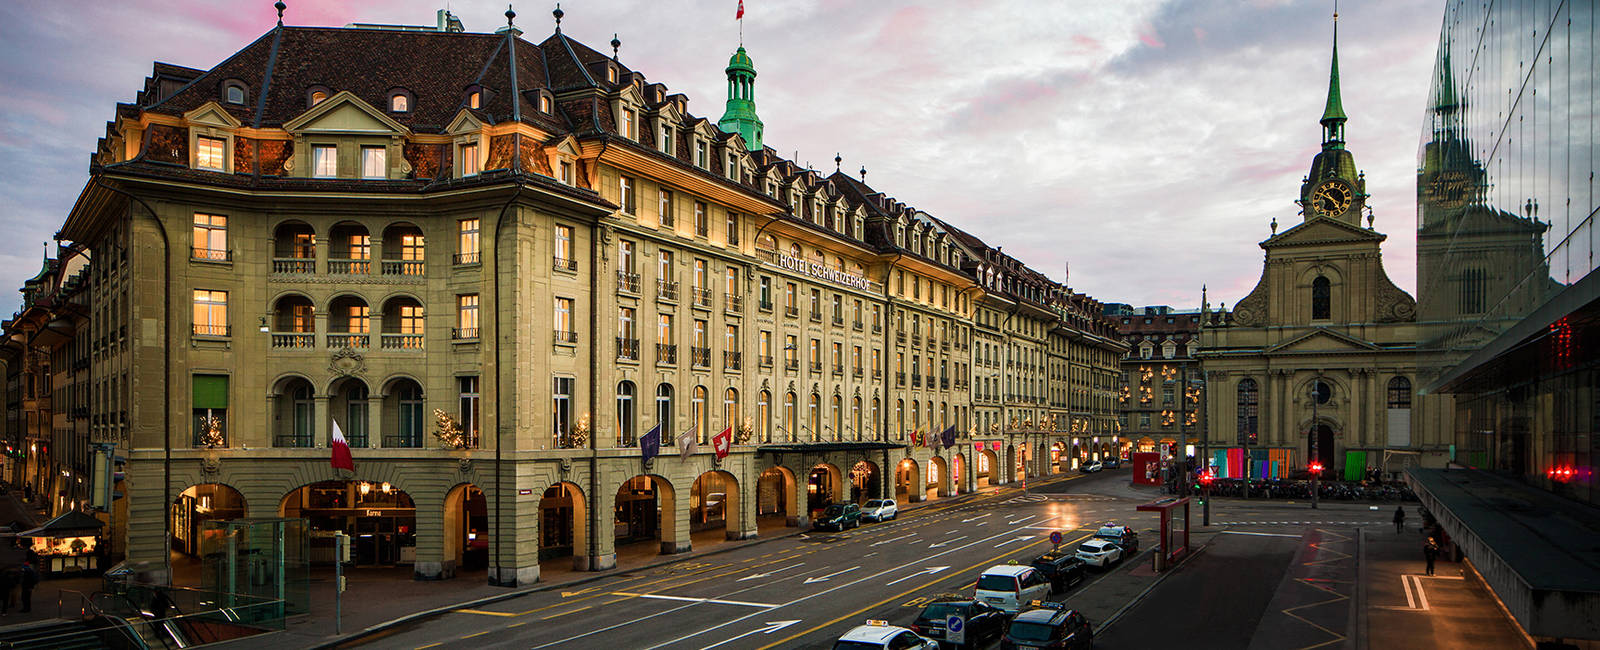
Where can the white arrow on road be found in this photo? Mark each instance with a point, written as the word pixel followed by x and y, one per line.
pixel 976 518
pixel 947 542
pixel 892 540
pixel 769 628
pixel 1013 523
pixel 1009 541
pixel 928 571
pixel 769 573
pixel 825 578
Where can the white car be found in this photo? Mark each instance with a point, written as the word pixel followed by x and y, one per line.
pixel 880 635
pixel 880 510
pixel 1100 553
pixel 1010 586
pixel 1091 467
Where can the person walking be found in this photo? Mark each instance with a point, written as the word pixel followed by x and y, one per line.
pixel 1430 552
pixel 30 578
pixel 1399 519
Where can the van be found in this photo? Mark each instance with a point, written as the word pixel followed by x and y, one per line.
pixel 1008 586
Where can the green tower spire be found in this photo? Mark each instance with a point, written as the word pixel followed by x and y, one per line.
pixel 740 115
pixel 1333 114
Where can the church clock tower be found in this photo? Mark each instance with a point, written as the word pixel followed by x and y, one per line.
pixel 1333 189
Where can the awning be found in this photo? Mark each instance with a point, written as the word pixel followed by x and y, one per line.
pixel 72 524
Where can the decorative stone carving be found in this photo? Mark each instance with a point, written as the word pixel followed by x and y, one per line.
pixel 566 466
pixel 210 466
pixel 346 362
pixel 1252 311
pixel 1394 305
pixel 463 465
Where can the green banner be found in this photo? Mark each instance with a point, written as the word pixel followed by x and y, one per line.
pixel 1355 465
pixel 210 391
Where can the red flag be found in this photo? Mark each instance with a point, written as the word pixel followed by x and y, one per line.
pixel 722 442
pixel 741 11
pixel 341 451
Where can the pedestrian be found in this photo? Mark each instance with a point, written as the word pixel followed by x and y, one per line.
pixel 1399 519
pixel 1430 552
pixel 30 578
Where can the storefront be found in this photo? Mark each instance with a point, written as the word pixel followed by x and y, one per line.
pixel 66 545
pixel 380 519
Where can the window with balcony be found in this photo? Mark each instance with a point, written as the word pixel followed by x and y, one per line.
pixel 561 413
pixel 702 281
pixel 700 349
pixel 294 248
pixel 627 336
pixel 791 352
pixel 627 417
pixel 467 242
pixel 210 313
pixel 404 250
pixel 403 324
pixel 296 416
pixel 664 412
pixel 816 355
pixel 764 348
pixel 466 317
pixel 764 416
pixel 350 249
pixel 730 349
pixel 701 225
pixel 666 345
pixel 625 196
pixel 350 322
pixel 357 425
pixel 562 322
pixel 408 407
pixel 293 322
pixel 210 241
pixel 564 260
pixel 765 303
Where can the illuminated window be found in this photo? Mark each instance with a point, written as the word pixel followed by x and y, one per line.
pixel 374 162
pixel 399 104
pixel 210 312
pixel 208 153
pixel 324 161
pixel 210 237
pixel 469 160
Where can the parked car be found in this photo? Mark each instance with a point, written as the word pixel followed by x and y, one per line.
pixel 880 510
pixel 1123 536
pixel 838 516
pixel 1008 586
pixel 1099 553
pixel 1091 467
pixel 880 635
pixel 982 623
pixel 1048 625
pixel 1113 462
pixel 1062 568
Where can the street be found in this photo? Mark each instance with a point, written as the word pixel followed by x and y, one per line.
pixel 804 591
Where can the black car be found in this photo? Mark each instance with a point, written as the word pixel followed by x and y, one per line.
pixel 1113 462
pixel 839 516
pixel 1120 535
pixel 983 622
pixel 1062 568
pixel 1051 625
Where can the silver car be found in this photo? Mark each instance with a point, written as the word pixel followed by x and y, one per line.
pixel 880 510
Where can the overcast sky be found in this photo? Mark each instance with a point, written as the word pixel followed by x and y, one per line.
pixel 1146 143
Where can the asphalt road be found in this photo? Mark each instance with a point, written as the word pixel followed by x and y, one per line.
pixel 793 592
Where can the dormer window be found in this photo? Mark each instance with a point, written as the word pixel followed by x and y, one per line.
pixel 208 153
pixel 474 99
pixel 316 94
pixel 666 139
pixel 233 92
pixel 324 161
pixel 566 172
pixel 701 160
pixel 545 104
pixel 611 73
pixel 629 124
pixel 400 102
pixel 469 159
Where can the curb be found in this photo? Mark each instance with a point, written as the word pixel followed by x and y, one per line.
pixel 1117 615
pixel 385 626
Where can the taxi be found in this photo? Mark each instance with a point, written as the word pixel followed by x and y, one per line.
pixel 880 635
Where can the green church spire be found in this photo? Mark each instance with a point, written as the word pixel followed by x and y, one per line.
pixel 1333 114
pixel 740 115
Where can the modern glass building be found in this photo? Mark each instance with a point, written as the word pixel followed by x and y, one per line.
pixel 1507 302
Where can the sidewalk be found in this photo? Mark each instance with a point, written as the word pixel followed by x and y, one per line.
pixel 1404 607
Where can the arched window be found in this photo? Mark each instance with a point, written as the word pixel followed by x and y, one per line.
pixel 1321 298
pixel 730 409
pixel 838 418
pixel 697 412
pixel 789 415
pixel 764 416
pixel 664 412
pixel 317 96
pixel 900 417
pixel 233 93
pixel 399 103
pixel 627 417
pixel 794 251
pixel 874 415
pixel 855 416
pixel 814 417
pixel 1399 393
pixel 1249 411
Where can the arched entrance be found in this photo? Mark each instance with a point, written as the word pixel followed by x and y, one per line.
pixel 1325 452
pixel 958 474
pixel 563 519
pixel 714 507
pixel 823 486
pixel 774 494
pixel 907 481
pixel 988 473
pixel 864 481
pixel 646 512
pixel 938 475
pixel 1014 463
pixel 466 528
pixel 1059 458
pixel 380 518
pixel 191 510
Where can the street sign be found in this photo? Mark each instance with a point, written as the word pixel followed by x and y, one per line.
pixel 955 628
pixel 1055 538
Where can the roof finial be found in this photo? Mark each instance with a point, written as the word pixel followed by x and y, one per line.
pixel 1274 225
pixel 558 13
pixel 837 161
pixel 280 7
pixel 511 16
pixel 863 173
pixel 616 44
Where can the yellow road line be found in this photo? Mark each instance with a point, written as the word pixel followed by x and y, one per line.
pixel 485 612
pixel 574 611
pixel 477 634
pixel 517 624
pixel 908 592
pixel 430 645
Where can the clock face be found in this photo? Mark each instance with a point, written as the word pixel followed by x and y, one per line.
pixel 1331 199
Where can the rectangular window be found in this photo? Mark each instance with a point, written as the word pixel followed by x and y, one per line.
pixel 566 172
pixel 666 139
pixel 625 194
pixel 730 341
pixel 210 237
pixel 208 153
pixel 467 242
pixel 563 252
pixel 766 293
pixel 765 346
pixel 731 282
pixel 629 124
pixel 699 274
pixel 700 225
pixel 411 320
pixel 625 316
pixel 700 159
pixel 791 349
pixel 210 312
pixel 664 208
pixel 563 320
pixel 467 316
pixel 733 229
pixel 469 409
pixel 469 160
pixel 664 330
pixel 210 410
pixel 561 412
pixel 374 162
pixel 789 298
pixel 324 161
pixel 664 266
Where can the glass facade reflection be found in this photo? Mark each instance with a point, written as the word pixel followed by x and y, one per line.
pixel 1506 239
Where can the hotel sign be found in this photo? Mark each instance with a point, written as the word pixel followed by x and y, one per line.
pixel 822 272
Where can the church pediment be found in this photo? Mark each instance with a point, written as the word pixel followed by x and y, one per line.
pixel 1317 232
pixel 1321 341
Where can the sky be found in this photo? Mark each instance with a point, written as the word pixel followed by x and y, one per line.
pixel 1143 144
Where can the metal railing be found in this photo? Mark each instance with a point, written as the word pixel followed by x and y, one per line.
pixel 702 297
pixel 212 330
pixel 463 333
pixel 733 302
pixel 732 360
pixel 700 357
pixel 627 348
pixel 627 282
pixel 791 312
pixel 666 290
pixel 570 338
pixel 565 264
pixel 764 305
pixel 404 440
pixel 292 440
pixel 211 254
pixel 765 360
pixel 667 353
pixel 467 258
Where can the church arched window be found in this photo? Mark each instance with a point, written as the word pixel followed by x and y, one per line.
pixel 1249 409
pixel 1321 298
pixel 1399 393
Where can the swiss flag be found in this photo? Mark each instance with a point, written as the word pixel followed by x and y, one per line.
pixel 741 11
pixel 341 451
pixel 722 442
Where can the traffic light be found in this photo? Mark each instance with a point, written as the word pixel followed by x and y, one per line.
pixel 1316 468
pixel 1206 477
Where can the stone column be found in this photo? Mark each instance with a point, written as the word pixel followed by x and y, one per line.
pixel 742 512
pixel 148 538
pixel 674 525
pixel 432 527
pixel 319 418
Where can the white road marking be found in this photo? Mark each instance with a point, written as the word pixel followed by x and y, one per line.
pixel 1241 532
pixel 977 517
pixel 689 599
pixel 769 628
pixel 769 573
pixel 1018 539
pixel 892 540
pixel 928 571
pixel 826 577
pixel 947 542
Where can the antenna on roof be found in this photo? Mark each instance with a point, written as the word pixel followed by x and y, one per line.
pixel 837 159
pixel 558 13
pixel 280 7
pixel 616 44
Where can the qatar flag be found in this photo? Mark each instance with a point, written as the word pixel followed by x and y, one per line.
pixel 341 451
